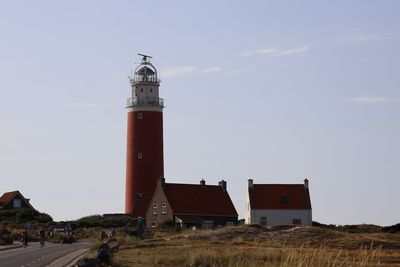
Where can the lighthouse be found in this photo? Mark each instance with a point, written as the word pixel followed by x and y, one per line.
pixel 144 157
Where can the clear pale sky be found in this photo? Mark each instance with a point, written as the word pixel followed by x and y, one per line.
pixel 271 90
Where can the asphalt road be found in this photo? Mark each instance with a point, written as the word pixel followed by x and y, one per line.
pixel 35 256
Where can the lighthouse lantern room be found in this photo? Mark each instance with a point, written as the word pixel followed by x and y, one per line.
pixel 144 158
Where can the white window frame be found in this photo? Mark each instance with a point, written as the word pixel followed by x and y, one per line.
pixel 139 155
pixel 155 208
pixel 163 208
pixel 153 224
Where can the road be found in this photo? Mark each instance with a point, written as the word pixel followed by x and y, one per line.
pixel 35 256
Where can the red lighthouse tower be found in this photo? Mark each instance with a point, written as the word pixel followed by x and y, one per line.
pixel 144 158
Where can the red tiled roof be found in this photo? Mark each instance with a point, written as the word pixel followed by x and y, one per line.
pixel 7 197
pixel 199 199
pixel 272 196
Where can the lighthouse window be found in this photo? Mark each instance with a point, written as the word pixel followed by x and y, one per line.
pixel 141 90
pixel 155 208
pixel 163 208
pixel 140 115
pixel 140 155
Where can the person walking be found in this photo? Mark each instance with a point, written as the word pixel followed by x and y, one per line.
pixel 112 233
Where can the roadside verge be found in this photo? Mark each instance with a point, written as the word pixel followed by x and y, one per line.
pixel 70 259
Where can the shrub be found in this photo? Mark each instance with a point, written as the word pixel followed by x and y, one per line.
pixel 355 228
pixel 167 225
pixel 103 221
pixel 43 218
pixel 5 237
pixel 24 216
pixel 392 229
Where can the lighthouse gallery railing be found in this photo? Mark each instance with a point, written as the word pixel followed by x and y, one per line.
pixel 145 101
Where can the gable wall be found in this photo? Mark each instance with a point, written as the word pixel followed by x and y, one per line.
pixel 159 198
pixel 10 205
pixel 247 213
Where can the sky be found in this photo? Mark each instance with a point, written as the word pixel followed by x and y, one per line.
pixel 276 91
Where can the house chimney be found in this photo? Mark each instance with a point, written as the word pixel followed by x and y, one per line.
pixel 202 182
pixel 250 182
pixel 222 184
pixel 306 183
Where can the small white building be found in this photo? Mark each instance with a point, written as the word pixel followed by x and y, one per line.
pixel 278 204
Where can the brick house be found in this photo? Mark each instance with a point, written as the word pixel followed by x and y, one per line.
pixel 14 200
pixel 278 204
pixel 188 205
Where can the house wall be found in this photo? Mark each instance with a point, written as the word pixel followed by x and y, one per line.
pixel 216 220
pixel 159 198
pixel 247 214
pixel 281 216
pixel 220 220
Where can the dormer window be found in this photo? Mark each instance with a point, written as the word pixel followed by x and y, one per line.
pixel 284 200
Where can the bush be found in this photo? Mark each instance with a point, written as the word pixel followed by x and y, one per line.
pixel 167 225
pixel 355 228
pixel 5 237
pixel 24 216
pixel 43 218
pixel 103 221
pixel 392 229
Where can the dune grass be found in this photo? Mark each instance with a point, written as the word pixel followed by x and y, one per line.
pixel 244 246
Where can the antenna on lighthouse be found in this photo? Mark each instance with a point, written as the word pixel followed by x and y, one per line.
pixel 144 57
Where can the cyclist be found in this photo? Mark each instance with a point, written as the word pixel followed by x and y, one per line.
pixel 42 236
pixel 25 238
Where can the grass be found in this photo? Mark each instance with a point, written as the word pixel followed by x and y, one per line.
pixel 260 246
pixel 245 245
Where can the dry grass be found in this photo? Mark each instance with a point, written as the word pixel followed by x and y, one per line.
pixel 260 246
